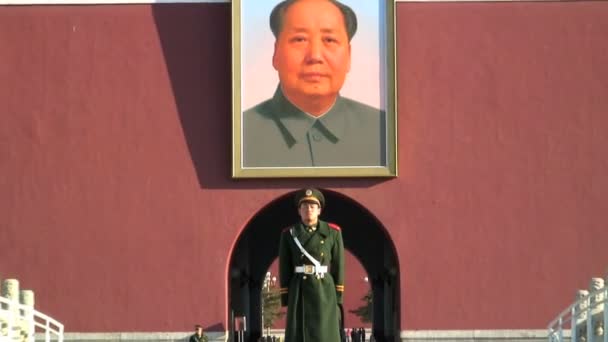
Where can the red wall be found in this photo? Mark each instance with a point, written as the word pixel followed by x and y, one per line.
pixel 119 211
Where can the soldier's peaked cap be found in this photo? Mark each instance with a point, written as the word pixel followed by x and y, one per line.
pixel 310 195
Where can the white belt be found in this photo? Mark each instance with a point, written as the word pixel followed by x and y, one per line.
pixel 311 269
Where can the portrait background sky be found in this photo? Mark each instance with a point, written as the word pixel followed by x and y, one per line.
pixel 259 79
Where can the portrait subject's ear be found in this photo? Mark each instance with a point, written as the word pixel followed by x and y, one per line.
pixel 349 57
pixel 274 56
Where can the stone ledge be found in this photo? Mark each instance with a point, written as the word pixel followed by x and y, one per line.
pixel 530 335
pixel 474 334
pixel 136 336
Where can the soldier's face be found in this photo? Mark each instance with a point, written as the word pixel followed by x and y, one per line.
pixel 309 212
pixel 312 52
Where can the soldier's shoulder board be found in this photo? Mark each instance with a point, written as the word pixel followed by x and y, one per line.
pixel 334 226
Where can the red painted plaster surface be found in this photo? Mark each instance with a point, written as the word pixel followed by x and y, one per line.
pixel 117 208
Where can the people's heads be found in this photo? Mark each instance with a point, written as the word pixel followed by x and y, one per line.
pixel 312 50
pixel 198 329
pixel 309 202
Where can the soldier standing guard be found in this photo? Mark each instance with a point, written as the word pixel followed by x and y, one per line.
pixel 311 273
pixel 199 335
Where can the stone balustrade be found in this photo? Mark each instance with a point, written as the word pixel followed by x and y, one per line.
pixel 589 312
pixel 16 322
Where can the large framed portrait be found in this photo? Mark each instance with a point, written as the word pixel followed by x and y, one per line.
pixel 313 88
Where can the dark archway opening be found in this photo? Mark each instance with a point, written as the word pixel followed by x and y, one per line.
pixel 363 236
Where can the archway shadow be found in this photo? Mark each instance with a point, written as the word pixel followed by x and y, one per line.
pixel 363 236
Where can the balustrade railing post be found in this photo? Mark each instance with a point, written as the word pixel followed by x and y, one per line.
pixel 552 337
pixel 27 300
pixel 10 291
pixel 560 330
pixel 589 323
pixel 19 319
pixel 605 314
pixel 47 331
pixel 573 323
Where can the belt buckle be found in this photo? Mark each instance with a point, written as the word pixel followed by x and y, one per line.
pixel 309 269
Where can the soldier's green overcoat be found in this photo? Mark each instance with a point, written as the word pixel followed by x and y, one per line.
pixel 313 314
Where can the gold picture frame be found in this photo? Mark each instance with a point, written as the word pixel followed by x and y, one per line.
pixel 268 143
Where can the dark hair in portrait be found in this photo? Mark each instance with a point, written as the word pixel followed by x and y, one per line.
pixel 278 13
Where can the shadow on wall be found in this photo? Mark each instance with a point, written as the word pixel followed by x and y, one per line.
pixel 196 43
pixel 215 327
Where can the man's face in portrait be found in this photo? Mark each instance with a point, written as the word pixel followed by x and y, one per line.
pixel 309 212
pixel 312 52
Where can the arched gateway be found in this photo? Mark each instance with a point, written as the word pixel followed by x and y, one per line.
pixel 364 237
